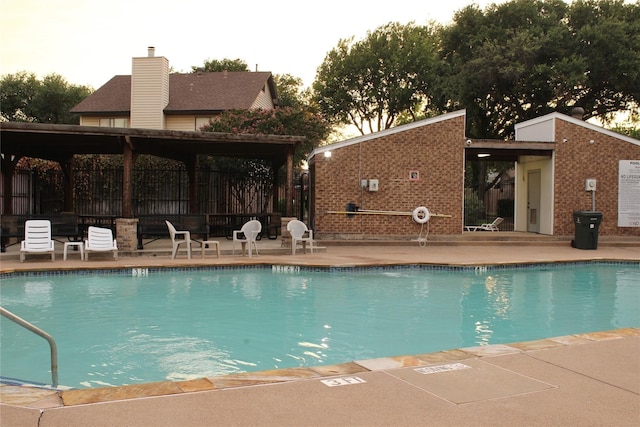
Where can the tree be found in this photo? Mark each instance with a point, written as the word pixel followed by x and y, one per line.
pixel 524 58
pixel 633 132
pixel 24 98
pixel 280 121
pixel 369 83
pixel 215 65
pixel 607 33
pixel 299 121
pixel 290 93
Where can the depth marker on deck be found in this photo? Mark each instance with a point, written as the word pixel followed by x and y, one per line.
pixel 442 368
pixel 336 382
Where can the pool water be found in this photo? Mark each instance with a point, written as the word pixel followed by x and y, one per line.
pixel 115 329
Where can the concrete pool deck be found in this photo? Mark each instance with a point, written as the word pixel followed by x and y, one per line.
pixel 582 379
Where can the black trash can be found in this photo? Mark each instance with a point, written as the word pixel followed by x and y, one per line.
pixel 587 224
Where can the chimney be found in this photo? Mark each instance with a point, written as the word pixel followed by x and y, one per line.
pixel 149 91
pixel 577 113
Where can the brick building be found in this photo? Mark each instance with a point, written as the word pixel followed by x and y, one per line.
pixel 422 164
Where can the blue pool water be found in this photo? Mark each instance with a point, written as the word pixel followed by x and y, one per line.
pixel 114 329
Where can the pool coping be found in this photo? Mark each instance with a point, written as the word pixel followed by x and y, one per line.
pixel 46 398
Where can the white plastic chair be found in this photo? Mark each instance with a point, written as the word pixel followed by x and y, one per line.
pixel 37 238
pixel 250 230
pixel 100 240
pixel 186 238
pixel 493 226
pixel 489 226
pixel 298 230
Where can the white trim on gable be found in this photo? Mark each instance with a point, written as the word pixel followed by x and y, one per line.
pixel 386 132
pixel 539 121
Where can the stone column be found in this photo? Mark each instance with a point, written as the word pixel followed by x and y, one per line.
pixel 127 234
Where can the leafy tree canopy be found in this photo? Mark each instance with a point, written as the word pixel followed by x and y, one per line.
pixel 24 98
pixel 505 64
pixel 215 65
pixel 525 58
pixel 290 92
pixel 369 83
pixel 298 121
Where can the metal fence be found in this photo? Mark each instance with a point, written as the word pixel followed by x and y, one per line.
pixel 496 202
pixel 98 192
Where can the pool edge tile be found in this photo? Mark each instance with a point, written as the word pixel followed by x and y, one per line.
pixel 107 394
pixel 536 344
pixel 491 350
pixel 200 384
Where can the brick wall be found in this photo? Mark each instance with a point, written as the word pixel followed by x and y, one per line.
pixel 435 151
pixel 575 161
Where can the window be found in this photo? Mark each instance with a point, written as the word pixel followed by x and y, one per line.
pixel 202 121
pixel 118 122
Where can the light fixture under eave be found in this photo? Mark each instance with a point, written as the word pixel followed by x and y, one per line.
pixel 327 154
pixel 481 155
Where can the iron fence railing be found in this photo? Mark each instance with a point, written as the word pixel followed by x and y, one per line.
pixel 98 192
pixel 496 202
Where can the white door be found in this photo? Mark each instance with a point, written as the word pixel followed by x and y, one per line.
pixel 533 201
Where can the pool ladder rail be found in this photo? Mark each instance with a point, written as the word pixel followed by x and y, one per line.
pixel 52 343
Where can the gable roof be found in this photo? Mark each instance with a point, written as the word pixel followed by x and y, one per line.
pixel 386 132
pixel 551 117
pixel 188 93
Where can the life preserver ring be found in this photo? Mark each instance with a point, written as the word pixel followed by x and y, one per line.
pixel 421 215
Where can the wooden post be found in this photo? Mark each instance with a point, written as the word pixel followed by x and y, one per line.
pixel 67 171
pixel 289 185
pixel 191 165
pixel 127 178
pixel 276 187
pixel 8 163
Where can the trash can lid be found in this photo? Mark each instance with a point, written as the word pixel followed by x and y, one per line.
pixel 587 213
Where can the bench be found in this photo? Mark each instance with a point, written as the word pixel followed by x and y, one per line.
pixel 63 225
pixel 154 226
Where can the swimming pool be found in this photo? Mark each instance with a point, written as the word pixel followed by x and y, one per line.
pixel 114 329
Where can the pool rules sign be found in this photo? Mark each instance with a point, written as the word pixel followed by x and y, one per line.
pixel 629 193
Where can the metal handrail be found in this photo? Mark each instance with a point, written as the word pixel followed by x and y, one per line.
pixel 54 349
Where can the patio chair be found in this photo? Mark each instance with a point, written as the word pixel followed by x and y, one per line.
pixel 186 238
pixel 247 235
pixel 100 240
pixel 298 230
pixel 493 226
pixel 37 239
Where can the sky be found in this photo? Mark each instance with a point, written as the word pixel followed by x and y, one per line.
pixel 89 41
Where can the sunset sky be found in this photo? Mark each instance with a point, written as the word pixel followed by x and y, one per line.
pixel 89 41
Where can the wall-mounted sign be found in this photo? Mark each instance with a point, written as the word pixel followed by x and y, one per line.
pixel 629 193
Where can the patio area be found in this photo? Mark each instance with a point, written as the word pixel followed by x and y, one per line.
pixel 583 379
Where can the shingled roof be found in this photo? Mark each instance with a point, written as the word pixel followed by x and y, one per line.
pixel 188 93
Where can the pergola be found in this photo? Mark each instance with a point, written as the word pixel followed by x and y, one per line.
pixel 61 142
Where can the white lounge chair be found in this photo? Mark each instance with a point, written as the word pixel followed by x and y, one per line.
pixel 100 240
pixel 492 226
pixel 186 238
pixel 247 235
pixel 37 239
pixel 300 233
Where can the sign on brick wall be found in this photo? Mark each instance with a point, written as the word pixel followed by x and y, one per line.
pixel 629 193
